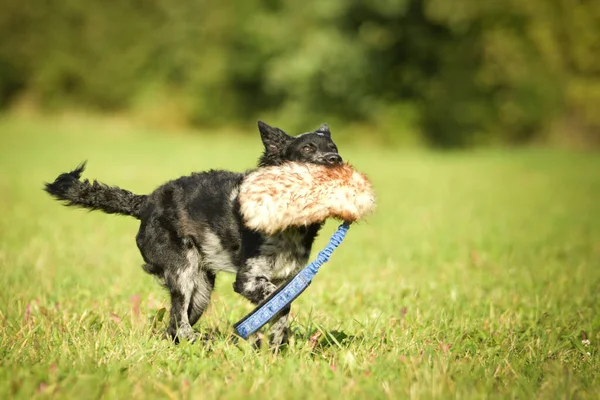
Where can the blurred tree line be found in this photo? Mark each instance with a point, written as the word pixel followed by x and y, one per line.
pixel 460 73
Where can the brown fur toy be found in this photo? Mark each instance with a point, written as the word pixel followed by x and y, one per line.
pixel 275 198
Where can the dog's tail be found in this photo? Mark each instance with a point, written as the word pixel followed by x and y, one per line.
pixel 95 196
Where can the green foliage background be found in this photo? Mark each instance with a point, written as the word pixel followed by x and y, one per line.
pixel 454 73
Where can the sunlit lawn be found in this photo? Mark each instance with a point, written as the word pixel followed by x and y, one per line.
pixel 478 277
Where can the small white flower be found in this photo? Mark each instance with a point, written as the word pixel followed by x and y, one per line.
pixel 585 342
pixel 589 354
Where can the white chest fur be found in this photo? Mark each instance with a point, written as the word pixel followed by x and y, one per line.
pixel 284 254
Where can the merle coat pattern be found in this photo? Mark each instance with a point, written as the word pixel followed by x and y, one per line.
pixel 191 228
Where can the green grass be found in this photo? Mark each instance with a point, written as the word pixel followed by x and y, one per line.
pixel 478 277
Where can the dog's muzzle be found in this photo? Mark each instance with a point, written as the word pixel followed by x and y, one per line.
pixel 333 159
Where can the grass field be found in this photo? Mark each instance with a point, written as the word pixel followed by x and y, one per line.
pixel 478 277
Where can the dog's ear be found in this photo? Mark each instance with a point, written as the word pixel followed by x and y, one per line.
pixel 273 138
pixel 324 130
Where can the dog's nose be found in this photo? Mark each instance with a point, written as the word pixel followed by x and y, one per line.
pixel 333 159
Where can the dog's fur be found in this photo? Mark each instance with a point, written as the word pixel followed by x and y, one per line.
pixel 191 228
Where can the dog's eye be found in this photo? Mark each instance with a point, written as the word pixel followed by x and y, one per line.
pixel 332 147
pixel 308 148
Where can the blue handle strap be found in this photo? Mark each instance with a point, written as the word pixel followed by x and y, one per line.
pixel 288 292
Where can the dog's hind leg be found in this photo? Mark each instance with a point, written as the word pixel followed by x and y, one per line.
pixel 179 269
pixel 204 284
pixel 181 288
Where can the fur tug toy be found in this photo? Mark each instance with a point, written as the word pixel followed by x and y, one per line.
pixel 273 199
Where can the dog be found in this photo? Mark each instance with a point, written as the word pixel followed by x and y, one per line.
pixel 191 229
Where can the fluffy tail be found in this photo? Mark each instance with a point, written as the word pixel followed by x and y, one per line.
pixel 95 196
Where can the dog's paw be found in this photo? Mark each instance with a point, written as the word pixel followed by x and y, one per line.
pixel 186 333
pixel 277 341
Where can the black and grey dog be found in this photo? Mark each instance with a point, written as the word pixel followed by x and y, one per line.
pixel 191 228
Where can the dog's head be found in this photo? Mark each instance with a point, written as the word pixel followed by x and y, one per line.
pixel 312 147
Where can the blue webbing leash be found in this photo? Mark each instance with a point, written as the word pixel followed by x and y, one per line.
pixel 288 292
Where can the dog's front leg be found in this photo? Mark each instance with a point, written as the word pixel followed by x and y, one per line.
pixel 278 332
pixel 252 282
